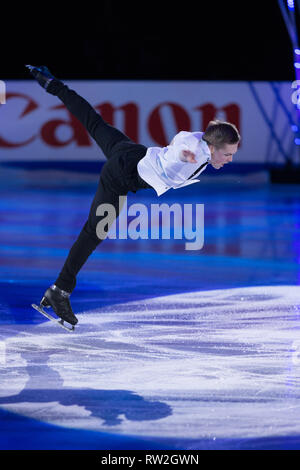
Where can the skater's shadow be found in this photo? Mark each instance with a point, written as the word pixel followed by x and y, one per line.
pixel 45 385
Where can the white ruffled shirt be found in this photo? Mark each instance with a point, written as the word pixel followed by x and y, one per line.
pixel 162 168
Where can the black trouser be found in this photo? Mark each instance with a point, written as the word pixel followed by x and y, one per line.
pixel 118 176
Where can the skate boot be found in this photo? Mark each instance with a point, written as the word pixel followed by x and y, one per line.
pixel 42 74
pixel 59 300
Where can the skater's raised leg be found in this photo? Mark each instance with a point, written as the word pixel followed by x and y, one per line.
pixel 106 136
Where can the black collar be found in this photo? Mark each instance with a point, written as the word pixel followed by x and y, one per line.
pixel 198 169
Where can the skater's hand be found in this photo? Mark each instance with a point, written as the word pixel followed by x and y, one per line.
pixel 188 156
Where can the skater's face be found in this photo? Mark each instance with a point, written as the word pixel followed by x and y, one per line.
pixel 221 156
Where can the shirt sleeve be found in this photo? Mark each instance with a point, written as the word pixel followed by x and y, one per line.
pixel 184 140
pixel 180 137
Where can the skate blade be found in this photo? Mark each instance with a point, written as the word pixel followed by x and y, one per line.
pixel 47 315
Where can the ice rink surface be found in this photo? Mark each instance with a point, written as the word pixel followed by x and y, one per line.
pixel 174 349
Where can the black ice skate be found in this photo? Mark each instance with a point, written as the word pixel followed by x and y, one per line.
pixel 42 74
pixel 59 300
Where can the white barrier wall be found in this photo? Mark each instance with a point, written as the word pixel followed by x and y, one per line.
pixel 35 125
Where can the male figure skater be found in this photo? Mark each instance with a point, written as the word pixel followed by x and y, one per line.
pixel 129 167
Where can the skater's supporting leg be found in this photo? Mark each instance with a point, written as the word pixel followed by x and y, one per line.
pixel 87 240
